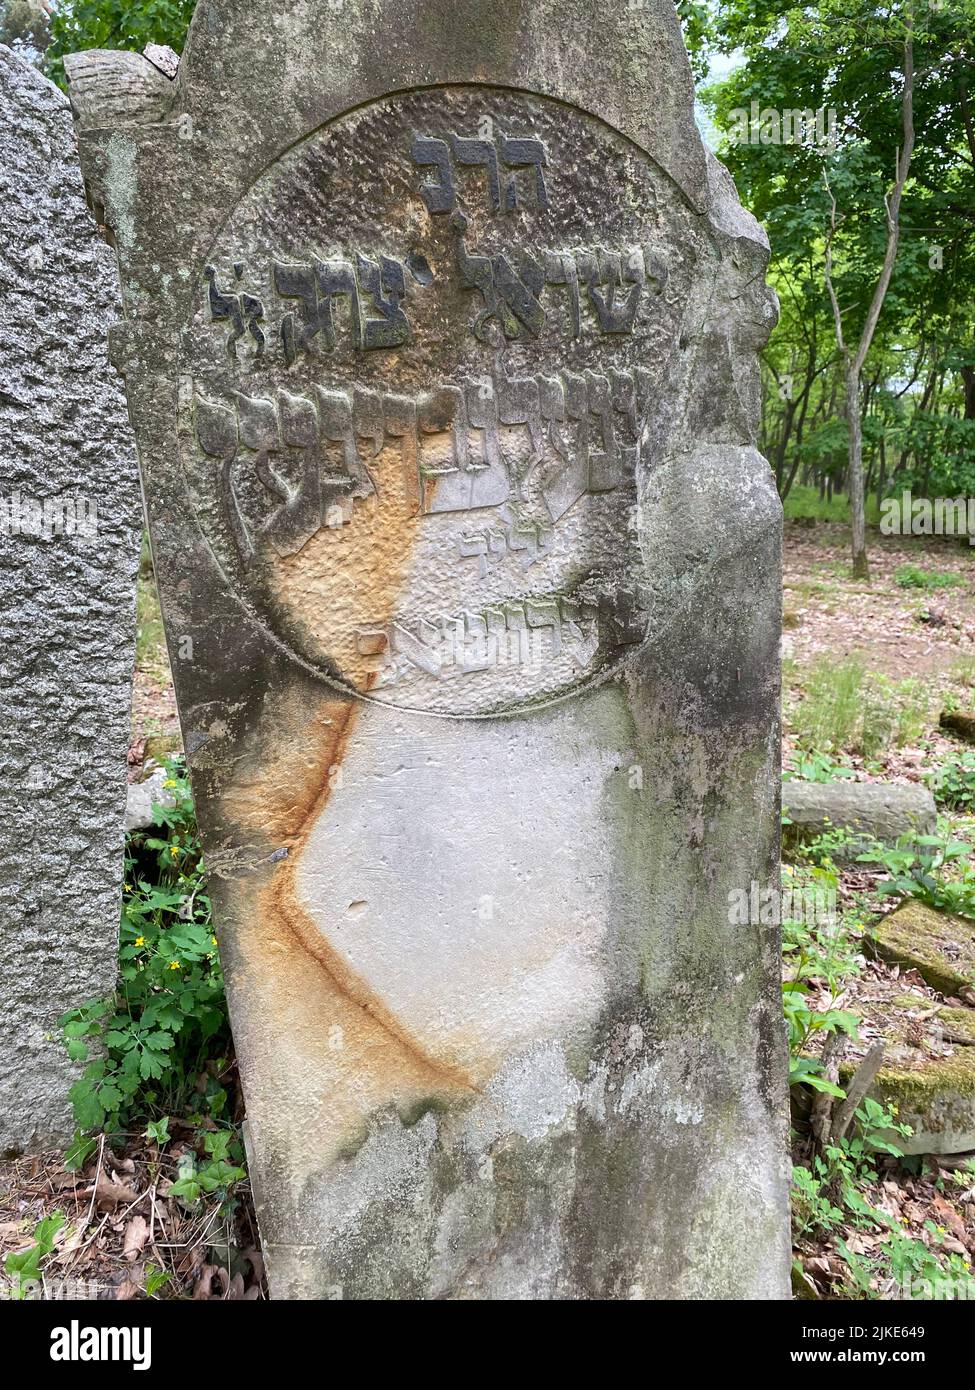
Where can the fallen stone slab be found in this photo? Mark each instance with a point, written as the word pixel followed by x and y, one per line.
pixel 928 1071
pixel 879 811
pixel 928 1076
pixel 936 1098
pixel 962 725
pixel 938 945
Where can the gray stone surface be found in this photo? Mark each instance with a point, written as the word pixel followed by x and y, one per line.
pixel 141 797
pixel 440 343
pixel 67 606
pixel 878 810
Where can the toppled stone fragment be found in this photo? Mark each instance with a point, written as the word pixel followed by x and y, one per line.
pixel 962 725
pixel 873 811
pixel 938 945
pixel 141 797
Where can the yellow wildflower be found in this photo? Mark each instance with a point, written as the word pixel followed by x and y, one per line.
pixel 174 965
pixel 140 941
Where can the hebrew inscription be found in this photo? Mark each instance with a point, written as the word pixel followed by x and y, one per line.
pixel 509 155
pixel 415 406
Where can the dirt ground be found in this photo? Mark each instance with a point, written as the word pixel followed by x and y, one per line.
pixel 897 631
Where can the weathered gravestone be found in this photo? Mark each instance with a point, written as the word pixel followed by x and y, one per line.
pixel 441 349
pixel 69 546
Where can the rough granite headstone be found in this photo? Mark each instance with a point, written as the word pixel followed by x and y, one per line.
pixel 70 515
pixel 440 344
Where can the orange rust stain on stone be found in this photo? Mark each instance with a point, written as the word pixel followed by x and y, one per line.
pixel 351 576
pixel 339 1050
pixel 295 792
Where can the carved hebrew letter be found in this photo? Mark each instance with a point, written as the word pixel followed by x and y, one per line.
pixel 312 319
pixel 439 196
pixel 480 152
pixel 338 279
pixel 386 284
pixel 241 311
pixel 524 153
pixel 300 516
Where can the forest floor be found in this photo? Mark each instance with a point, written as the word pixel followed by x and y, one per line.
pixel 867 670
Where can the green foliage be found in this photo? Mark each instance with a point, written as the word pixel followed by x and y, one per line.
pixel 913 1268
pixel 846 708
pixel 156 1279
pixel 217 1173
pixel 150 639
pixel 131 24
pixel 151 1048
pixel 918 404
pixel 831 1193
pixel 813 1211
pixel 938 871
pixel 816 767
pixel 913 577
pixel 953 784
pixel 24 1266
pixel 815 953
pixel 836 842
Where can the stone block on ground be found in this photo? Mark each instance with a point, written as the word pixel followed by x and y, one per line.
pixel 928 1073
pixel 872 811
pixel 938 945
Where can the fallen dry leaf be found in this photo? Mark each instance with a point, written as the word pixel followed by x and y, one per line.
pixel 108 1193
pixel 136 1235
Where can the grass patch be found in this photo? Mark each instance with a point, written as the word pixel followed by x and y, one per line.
pixel 150 639
pixel 845 708
pixel 805 504
pixel 913 577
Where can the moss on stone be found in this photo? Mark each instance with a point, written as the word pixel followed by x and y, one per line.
pixel 915 936
pixel 935 1098
pixel 937 1076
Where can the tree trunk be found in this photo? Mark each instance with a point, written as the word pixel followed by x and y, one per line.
pixel 968 377
pixel 861 569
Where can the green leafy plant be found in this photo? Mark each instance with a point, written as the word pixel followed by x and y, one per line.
pixel 823 850
pixel 24 1266
pixel 913 577
pixel 816 952
pixel 156 1279
pixel 813 1210
pixel 153 1049
pixel 936 870
pixel 220 1169
pixel 157 1049
pixel 815 767
pixel 909 1268
pixel 953 784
